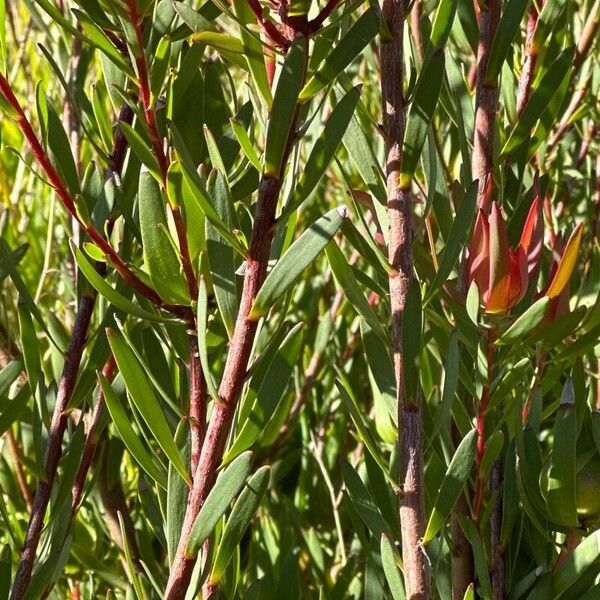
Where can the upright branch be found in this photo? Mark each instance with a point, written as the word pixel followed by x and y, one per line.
pixel 157 145
pixel 70 369
pixel 486 99
pixel 416 563
pixel 234 373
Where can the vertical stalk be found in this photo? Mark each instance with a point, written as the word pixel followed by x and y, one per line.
pixel 198 402
pixel 399 200
pixel 480 423
pixel 486 100
pixel 53 451
pixel 65 389
pixel 526 77
pixel 498 580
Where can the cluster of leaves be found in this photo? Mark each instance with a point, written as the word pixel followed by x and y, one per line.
pixel 164 130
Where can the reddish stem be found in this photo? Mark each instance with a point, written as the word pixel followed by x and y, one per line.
pixel 92 439
pixel 486 99
pixel 157 145
pixel 268 26
pixel 67 201
pixel 198 403
pixel 480 424
pixel 322 16
pixel 526 78
pixel 53 451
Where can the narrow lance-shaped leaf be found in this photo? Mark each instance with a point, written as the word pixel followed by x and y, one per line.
pixel 459 233
pixel 106 290
pixel 442 24
pixel 285 103
pixel 161 260
pixel 298 257
pixel 228 484
pixel 130 438
pixel 270 393
pixel 253 51
pixel 390 561
pixel 561 495
pixel 220 254
pixel 239 519
pixel 349 47
pixel 577 562
pixel 452 485
pixel 347 281
pixel 324 148
pixel 505 34
pixel 526 322
pixel 420 115
pixel 145 401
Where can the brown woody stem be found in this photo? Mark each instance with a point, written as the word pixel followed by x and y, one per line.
pixel 399 201
pixel 486 100
pixel 498 578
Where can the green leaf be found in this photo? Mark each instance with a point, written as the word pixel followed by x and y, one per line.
pixel 546 21
pixel 220 254
pixel 285 104
pixel 561 495
pixel 140 148
pixel 390 559
pixel 145 401
pixel 451 368
pixel 299 256
pixel 106 290
pixel 526 322
pixel 420 115
pixel 272 387
pixel 349 47
pixel 30 346
pixel 160 259
pixel 239 519
pixel 202 324
pixel 199 194
pixel 540 99
pixel 130 438
pixel 365 505
pixel 452 485
pixel 481 568
pixel 60 152
pixel 245 143
pixel 363 429
pixel 177 493
pixel 99 39
pixel 457 239
pixel 9 374
pixel 442 24
pixel 228 46
pixel 253 51
pixel 325 148
pixel 574 566
pixel 412 322
pixel 347 281
pixel 508 28
pixel 226 488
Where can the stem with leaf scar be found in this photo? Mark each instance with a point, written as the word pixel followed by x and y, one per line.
pixel 399 201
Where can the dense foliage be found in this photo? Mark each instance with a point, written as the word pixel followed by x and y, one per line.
pixel 299 299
